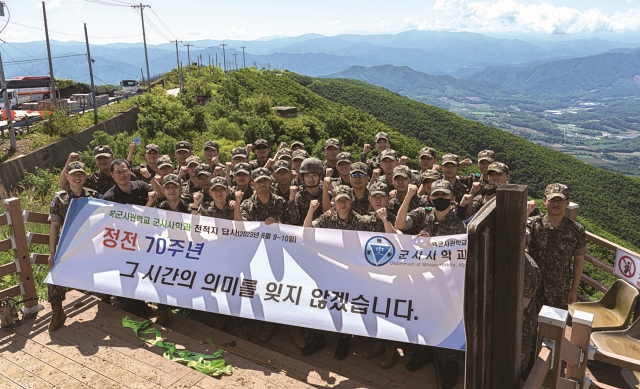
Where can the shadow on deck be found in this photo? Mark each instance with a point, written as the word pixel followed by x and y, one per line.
pixel 93 350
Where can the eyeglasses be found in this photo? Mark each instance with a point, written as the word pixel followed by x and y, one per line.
pixel 121 172
pixel 358 175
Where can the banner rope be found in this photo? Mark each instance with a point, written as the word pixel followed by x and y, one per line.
pixel 213 365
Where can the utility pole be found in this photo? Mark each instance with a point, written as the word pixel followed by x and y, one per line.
pixel 178 62
pixel 144 37
pixel 244 62
pixel 93 88
pixel 7 108
pixel 224 57
pixel 54 97
pixel 188 57
pixel 216 63
pixel 235 58
pixel 142 75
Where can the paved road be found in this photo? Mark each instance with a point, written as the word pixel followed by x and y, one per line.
pixel 173 92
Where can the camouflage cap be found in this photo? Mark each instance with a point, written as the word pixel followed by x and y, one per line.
pixel 284 153
pixel 402 171
pixel 261 142
pixel 163 161
pixel 556 190
pixel 498 167
pixel 152 147
pixel 193 159
pixel 382 135
pixel 360 167
pixel 281 164
pixel 488 155
pixel 239 151
pixel 443 186
pixel 76 166
pixel 183 146
pixel 430 151
pixel 170 179
pixel 211 144
pixel 260 173
pixel 242 167
pixel 344 157
pixel 218 181
pixel 450 158
pixel 297 143
pixel 102 151
pixel 203 168
pixel 388 153
pixel 299 154
pixel 429 175
pixel 379 187
pixel 341 191
pixel 333 142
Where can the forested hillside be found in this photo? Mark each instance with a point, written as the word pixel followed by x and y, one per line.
pixel 610 200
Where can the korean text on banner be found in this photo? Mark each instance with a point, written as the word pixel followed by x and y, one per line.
pixel 387 286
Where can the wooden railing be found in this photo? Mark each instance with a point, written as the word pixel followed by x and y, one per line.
pixel 19 241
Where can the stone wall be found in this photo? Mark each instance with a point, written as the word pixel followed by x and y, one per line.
pixel 56 154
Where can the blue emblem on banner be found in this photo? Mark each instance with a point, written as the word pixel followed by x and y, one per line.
pixel 379 251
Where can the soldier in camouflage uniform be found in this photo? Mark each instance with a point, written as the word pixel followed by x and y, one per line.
pixel 187 174
pixel 553 240
pixel 296 160
pixel 182 152
pixel 148 171
pixel 428 159
pixel 202 176
pixel 261 150
pixel 379 221
pixel 427 178
pixel 100 181
pixel 382 143
pixel 284 154
pixel 238 155
pixel 388 162
pixel 402 181
pixel 269 208
pixel 311 172
pixel 342 219
pixel 242 174
pixel 344 161
pixel 297 145
pixel 211 151
pixel 282 178
pixel 450 167
pixel 485 158
pixel 498 173
pixel 437 222
pixel 75 175
pixel 359 182
pixel 332 147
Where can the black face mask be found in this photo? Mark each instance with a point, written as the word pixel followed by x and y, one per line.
pixel 441 204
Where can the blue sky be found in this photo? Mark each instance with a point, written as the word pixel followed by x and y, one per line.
pixel 191 20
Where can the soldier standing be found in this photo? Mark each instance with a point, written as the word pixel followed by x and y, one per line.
pixel 554 240
pixel 75 174
pixel 382 143
pixel 450 168
pixel 485 158
pixel 283 177
pixel 146 172
pixel 332 147
pixel 310 173
pixel 402 181
pixel 261 150
pixel 359 182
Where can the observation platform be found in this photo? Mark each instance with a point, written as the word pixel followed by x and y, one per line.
pixel 93 350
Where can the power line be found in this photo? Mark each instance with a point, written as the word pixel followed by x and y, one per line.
pixel 154 27
pixel 40 59
pixel 66 33
pixel 5 51
pixel 165 26
pixel 102 2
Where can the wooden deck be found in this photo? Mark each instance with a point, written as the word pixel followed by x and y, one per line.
pixel 93 350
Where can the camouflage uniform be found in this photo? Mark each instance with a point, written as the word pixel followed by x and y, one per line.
pixel 183 206
pixel 361 205
pixel 552 249
pixel 469 179
pixel 302 203
pixel 247 194
pixel 459 190
pixel 335 173
pixel 416 202
pixel 213 211
pixel 532 283
pixel 254 210
pixel 371 222
pixel 332 220
pixel 372 163
pixel 100 182
pixel 57 213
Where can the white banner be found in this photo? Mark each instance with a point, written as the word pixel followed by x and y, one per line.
pixel 363 283
pixel 627 267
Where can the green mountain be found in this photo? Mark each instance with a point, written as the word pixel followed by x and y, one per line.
pixel 604 75
pixel 422 86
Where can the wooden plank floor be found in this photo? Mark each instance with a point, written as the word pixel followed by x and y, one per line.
pixel 93 350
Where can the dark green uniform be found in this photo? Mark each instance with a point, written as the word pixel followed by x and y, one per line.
pixel 254 210
pixel 333 221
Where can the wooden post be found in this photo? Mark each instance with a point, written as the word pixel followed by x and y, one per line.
pixel 551 325
pixel 508 283
pixel 23 259
pixel 572 211
pixel 580 337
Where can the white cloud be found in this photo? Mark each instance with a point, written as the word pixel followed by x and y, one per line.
pixel 239 32
pixel 512 16
pixel 382 24
pixel 193 34
pixel 52 4
pixel 334 22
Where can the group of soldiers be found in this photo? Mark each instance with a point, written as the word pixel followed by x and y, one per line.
pixel 378 193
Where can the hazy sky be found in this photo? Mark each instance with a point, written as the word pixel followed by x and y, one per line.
pixel 190 20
